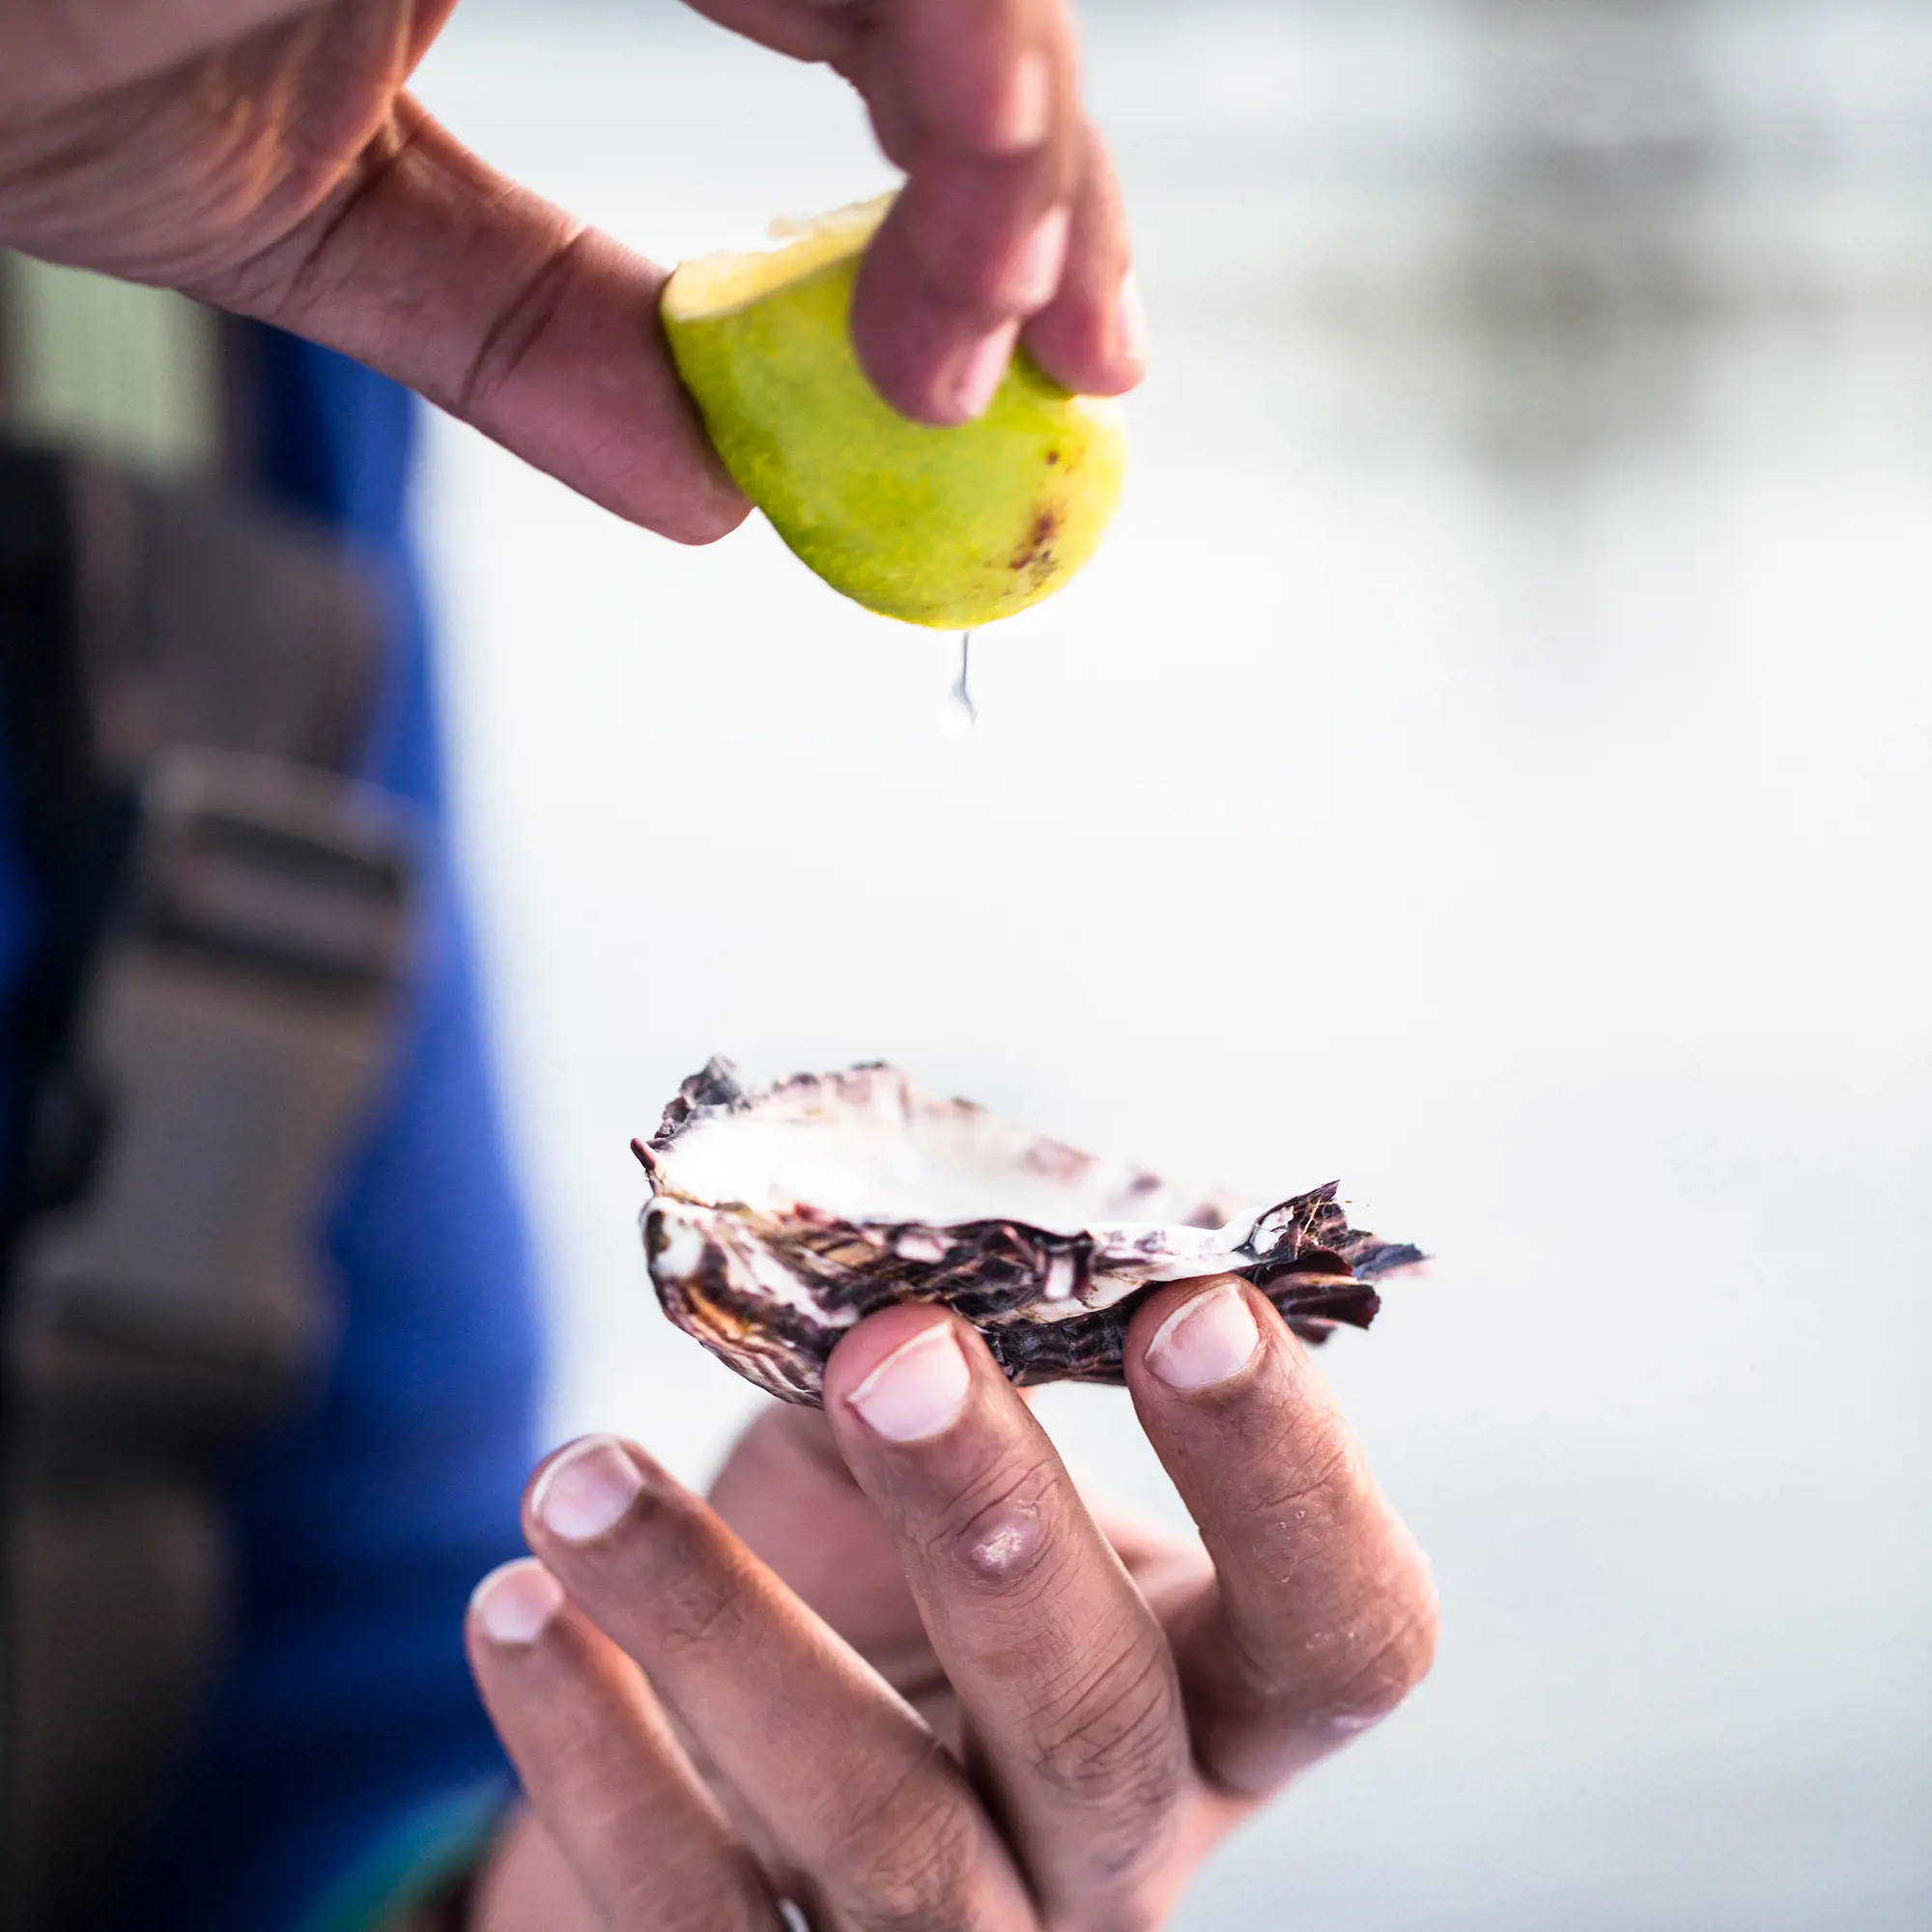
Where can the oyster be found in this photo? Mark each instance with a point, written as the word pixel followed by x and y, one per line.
pixel 778 1218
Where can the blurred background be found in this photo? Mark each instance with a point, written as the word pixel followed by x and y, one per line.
pixel 1488 762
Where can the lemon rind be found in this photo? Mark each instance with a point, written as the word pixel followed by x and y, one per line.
pixel 709 287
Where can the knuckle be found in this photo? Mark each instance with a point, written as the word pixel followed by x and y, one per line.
pixel 701 1600
pixel 1120 1746
pixel 704 1612
pixel 1369 1668
pixel 909 1860
pixel 698 1615
pixel 520 323
pixel 647 1898
pixel 971 226
pixel 1396 1663
pixel 290 276
pixel 993 1528
pixel 1322 1467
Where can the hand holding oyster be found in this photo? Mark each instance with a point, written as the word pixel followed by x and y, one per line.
pixel 781 1218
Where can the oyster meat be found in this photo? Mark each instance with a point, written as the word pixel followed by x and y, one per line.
pixel 779 1217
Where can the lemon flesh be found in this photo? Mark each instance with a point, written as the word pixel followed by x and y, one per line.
pixel 949 527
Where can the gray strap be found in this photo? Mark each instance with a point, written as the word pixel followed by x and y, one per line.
pixel 201 625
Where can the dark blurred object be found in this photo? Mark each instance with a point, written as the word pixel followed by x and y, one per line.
pixel 227 921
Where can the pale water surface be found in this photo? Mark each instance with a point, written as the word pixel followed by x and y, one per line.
pixel 1491 762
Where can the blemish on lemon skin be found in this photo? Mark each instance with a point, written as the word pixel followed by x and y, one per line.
pixel 1035 552
pixel 1051 457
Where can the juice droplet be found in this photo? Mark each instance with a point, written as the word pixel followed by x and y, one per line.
pixel 965 714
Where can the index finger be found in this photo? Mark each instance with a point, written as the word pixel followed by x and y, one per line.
pixel 1011 222
pixel 852 1787
pixel 1073 1712
pixel 1324 1616
pixel 1008 202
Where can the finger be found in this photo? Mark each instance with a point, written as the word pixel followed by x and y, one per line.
pixel 1011 214
pixel 1068 1685
pixel 527 1882
pixel 601 1767
pixel 984 77
pixel 979 104
pixel 853 1787
pixel 1325 1615
pixel 1092 336
pixel 543 335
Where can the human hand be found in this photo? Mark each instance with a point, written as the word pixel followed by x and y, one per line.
pixel 266 157
pixel 899 1672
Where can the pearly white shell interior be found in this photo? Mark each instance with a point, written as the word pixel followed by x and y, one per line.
pixel 869 1147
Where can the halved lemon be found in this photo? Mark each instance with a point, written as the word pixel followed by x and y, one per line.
pixel 949 527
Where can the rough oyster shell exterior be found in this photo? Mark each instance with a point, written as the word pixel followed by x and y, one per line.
pixel 768 1282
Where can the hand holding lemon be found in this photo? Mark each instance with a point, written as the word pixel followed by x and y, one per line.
pixel 362 223
pixel 951 527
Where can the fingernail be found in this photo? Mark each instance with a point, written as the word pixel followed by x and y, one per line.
pixel 586 1491
pixel 918 1390
pixel 974 380
pixel 1130 330
pixel 1034 272
pixel 1204 1341
pixel 514 1602
pixel 1024 116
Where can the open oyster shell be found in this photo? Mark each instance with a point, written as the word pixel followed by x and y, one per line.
pixel 781 1217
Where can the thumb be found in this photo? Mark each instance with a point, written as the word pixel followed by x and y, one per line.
pixel 429 265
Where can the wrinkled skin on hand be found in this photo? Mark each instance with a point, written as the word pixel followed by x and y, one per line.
pixel 266 157
pixel 708 1715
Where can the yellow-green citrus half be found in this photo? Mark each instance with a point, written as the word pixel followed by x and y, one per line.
pixel 949 527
